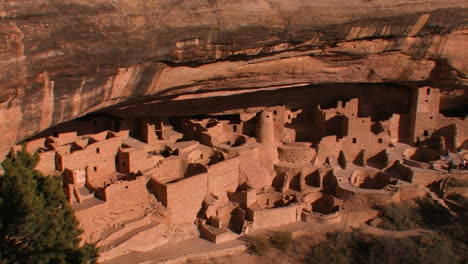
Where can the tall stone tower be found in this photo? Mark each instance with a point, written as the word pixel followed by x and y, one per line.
pixel 265 128
pixel 424 112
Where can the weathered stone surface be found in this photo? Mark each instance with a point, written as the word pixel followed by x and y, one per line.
pixel 253 174
pixel 62 60
pixel 143 241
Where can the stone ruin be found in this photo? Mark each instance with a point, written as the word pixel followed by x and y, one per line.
pixel 219 177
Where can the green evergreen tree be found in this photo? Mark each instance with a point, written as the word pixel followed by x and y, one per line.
pixel 37 225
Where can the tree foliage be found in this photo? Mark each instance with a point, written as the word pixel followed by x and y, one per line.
pixel 37 225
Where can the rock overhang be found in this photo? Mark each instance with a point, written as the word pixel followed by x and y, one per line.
pixel 63 61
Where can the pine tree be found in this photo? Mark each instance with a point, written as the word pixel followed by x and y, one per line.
pixel 37 225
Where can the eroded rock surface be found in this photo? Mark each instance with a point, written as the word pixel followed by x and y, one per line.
pixel 62 60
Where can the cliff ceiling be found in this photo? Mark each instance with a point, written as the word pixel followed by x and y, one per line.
pixel 64 59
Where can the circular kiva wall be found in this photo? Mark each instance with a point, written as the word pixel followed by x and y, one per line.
pixel 322 203
pixel 298 152
pixel 369 179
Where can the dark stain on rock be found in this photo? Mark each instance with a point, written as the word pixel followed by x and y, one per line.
pixel 64 89
pixel 144 79
pixel 93 91
pixel 31 110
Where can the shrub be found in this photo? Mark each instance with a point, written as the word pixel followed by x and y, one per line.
pixel 426 214
pixel 258 245
pixel 433 214
pixel 356 247
pixel 399 217
pixel 335 250
pixel 281 239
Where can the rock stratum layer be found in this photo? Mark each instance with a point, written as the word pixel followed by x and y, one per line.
pixel 63 60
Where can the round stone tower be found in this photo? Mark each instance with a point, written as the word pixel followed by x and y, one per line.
pixel 265 131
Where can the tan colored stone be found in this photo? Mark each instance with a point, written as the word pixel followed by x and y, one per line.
pixel 253 174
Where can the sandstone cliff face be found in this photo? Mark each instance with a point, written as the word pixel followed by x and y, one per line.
pixel 62 60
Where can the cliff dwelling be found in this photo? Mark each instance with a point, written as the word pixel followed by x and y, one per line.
pixel 191 125
pixel 222 175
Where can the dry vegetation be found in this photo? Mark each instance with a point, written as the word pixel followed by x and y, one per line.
pixel 261 244
pixel 448 230
pixel 356 247
pixel 445 242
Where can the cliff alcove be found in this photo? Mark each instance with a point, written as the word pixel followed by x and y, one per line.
pixel 170 120
pixel 64 60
